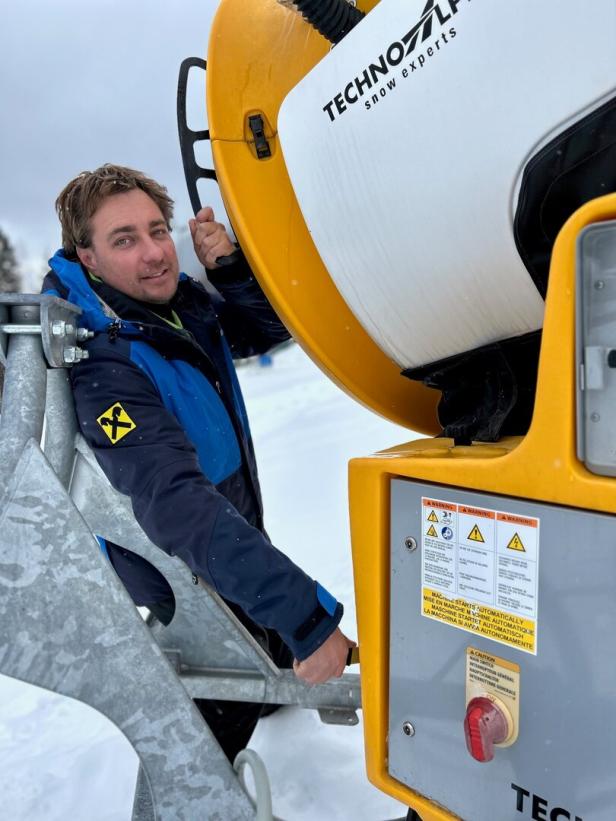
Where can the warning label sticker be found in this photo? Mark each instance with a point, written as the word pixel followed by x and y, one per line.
pixel 480 571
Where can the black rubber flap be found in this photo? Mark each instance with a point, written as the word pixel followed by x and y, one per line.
pixel 575 167
pixel 487 393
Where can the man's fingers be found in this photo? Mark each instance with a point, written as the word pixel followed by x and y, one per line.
pixel 218 245
pixel 299 668
pixel 317 677
pixel 327 661
pixel 221 249
pixel 201 219
pixel 309 678
pixel 206 229
pixel 210 239
pixel 206 214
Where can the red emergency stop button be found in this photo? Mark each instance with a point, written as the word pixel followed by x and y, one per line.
pixel 484 726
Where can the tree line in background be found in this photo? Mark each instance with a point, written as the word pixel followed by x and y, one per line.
pixel 10 280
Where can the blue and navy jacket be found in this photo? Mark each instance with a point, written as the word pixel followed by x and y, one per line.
pixel 162 410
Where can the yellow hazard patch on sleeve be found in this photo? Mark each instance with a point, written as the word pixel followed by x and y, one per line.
pixel 116 423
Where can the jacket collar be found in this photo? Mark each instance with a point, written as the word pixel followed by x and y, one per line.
pixel 97 314
pixel 74 279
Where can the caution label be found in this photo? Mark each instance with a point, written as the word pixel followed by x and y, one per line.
pixel 493 674
pixel 475 535
pixel 516 544
pixel 480 572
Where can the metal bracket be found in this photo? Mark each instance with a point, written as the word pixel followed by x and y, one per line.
pixel 54 570
pixel 57 327
pixel 338 715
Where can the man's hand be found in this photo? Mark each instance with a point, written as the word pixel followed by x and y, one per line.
pixel 210 238
pixel 327 662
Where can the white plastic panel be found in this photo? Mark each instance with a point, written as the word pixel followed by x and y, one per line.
pixel 410 199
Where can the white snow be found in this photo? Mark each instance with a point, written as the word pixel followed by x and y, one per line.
pixel 60 759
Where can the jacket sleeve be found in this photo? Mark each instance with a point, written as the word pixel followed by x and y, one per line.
pixel 250 324
pixel 181 511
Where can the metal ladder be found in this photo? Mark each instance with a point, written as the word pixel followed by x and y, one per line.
pixel 68 625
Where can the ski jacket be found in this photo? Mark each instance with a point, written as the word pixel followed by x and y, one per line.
pixel 161 407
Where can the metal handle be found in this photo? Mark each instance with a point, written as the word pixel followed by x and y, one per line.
pixel 192 170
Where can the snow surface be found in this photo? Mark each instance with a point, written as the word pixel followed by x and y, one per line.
pixel 60 759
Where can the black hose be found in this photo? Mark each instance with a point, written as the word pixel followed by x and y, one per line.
pixel 331 18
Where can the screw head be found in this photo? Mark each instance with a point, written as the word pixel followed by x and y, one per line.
pixel 410 543
pixel 58 327
pixel 594 417
pixel 599 285
pixel 408 729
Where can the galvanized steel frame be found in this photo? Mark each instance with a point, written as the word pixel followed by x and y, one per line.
pixel 68 625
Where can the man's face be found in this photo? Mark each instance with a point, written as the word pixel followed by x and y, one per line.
pixel 131 249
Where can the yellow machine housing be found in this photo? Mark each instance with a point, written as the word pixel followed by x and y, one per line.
pixel 258 51
pixel 251 68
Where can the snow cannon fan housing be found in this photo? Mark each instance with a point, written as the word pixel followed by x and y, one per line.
pixel 432 161
pixel 435 154
pixel 423 178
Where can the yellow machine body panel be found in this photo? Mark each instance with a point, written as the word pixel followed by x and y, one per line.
pixel 258 51
pixel 540 466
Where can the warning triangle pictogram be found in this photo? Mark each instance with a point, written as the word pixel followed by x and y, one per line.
pixel 432 532
pixel 433 517
pixel 475 535
pixel 516 544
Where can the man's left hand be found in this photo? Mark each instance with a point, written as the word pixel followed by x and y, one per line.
pixel 210 238
pixel 328 661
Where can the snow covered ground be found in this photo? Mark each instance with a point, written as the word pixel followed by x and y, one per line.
pixel 60 759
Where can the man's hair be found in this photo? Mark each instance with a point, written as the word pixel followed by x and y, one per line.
pixel 81 198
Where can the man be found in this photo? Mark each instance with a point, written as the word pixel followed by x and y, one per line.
pixel 160 405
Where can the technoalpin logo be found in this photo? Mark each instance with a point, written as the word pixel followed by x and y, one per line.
pixel 393 56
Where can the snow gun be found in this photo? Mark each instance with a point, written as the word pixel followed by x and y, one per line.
pixel 425 190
